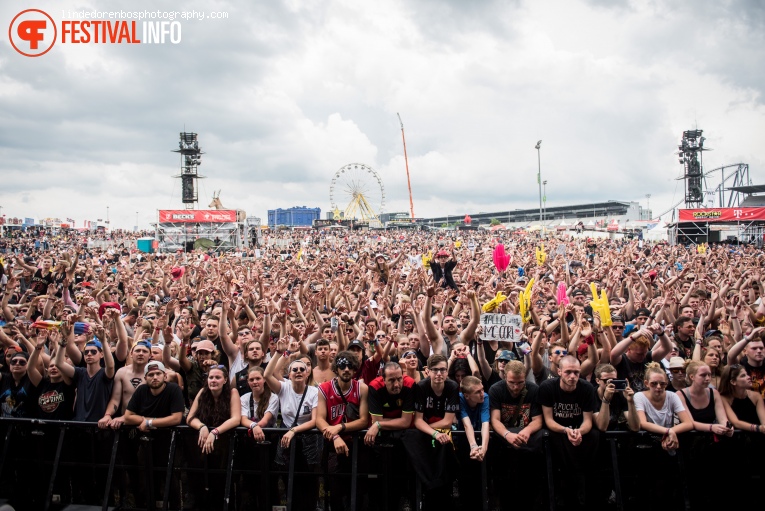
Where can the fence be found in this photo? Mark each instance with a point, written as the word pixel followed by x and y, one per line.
pixel 47 465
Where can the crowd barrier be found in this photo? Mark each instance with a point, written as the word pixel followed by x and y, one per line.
pixel 52 465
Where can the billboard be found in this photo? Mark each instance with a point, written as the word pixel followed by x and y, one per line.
pixel 197 216
pixel 721 215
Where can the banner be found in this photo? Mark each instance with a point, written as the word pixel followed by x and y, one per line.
pixel 195 215
pixel 501 327
pixel 721 215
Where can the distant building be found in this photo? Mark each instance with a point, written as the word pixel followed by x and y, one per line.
pixel 603 212
pixel 298 216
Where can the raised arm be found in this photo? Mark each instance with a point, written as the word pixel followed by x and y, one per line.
pixel 475 317
pixel 735 351
pixel 62 365
pixel 226 342
pixel 275 364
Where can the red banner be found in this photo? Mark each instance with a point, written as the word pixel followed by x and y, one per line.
pixel 174 216
pixel 722 215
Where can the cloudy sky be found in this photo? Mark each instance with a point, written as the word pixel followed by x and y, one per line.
pixel 283 93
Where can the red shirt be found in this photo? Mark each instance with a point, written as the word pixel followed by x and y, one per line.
pixel 336 404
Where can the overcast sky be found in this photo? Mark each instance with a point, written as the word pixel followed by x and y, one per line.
pixel 284 93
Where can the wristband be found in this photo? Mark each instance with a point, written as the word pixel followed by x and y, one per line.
pixel 752 428
pixel 342 427
pixel 433 439
pixel 667 433
pixel 505 435
pixel 150 423
pixel 379 428
pixel 606 401
pixel 286 353
pixel 474 447
pixel 215 433
pixel 335 437
pixel 202 426
pixel 710 427
pixel 254 425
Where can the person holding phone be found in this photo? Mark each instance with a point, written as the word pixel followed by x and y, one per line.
pixel 616 410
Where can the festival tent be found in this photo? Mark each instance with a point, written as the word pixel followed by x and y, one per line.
pixel 658 233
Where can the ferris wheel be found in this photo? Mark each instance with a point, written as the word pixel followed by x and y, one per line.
pixel 358 189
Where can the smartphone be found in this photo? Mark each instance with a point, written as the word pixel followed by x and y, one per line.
pixel 619 385
pixel 333 324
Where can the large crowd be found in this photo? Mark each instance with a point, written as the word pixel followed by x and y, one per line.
pixel 381 334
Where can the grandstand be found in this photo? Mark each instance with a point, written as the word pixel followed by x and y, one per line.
pixel 590 214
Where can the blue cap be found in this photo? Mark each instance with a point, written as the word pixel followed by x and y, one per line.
pixel 95 342
pixel 146 344
pixel 627 329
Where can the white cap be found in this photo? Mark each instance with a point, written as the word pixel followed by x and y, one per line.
pixel 154 366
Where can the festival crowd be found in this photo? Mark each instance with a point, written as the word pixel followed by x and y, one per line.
pixel 384 335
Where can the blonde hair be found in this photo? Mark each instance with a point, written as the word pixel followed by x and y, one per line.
pixel 691 368
pixel 515 367
pixel 470 382
pixel 654 368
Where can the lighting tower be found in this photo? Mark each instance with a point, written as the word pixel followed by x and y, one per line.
pixel 191 155
pixel 690 156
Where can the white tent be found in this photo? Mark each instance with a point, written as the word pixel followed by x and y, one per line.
pixel 658 233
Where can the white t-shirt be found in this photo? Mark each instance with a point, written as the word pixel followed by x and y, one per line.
pixel 237 365
pixel 289 401
pixel 666 417
pixel 273 407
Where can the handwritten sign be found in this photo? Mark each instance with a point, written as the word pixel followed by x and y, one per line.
pixel 501 327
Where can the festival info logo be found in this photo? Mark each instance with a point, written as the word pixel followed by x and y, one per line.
pixel 32 32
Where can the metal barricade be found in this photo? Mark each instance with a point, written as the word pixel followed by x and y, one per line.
pixel 39 458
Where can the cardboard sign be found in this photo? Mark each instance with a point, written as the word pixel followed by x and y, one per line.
pixel 501 327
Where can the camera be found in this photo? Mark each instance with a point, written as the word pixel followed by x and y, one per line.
pixel 619 385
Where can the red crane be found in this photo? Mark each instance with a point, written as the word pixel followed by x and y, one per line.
pixel 406 160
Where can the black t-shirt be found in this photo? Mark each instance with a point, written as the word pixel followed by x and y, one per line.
pixel 433 407
pixel 617 421
pixel 240 380
pixel 687 345
pixel 166 403
pixel 41 282
pixel 54 401
pixel 492 380
pixel 568 407
pixel 383 404
pixel 501 399
pixel 633 372
pixel 16 400
pixel 93 394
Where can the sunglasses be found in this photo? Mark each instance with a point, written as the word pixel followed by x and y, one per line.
pixel 380 336
pixel 299 369
pixel 560 352
pixel 659 384
pixel 183 301
pixel 344 366
pixel 18 362
pixel 91 352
